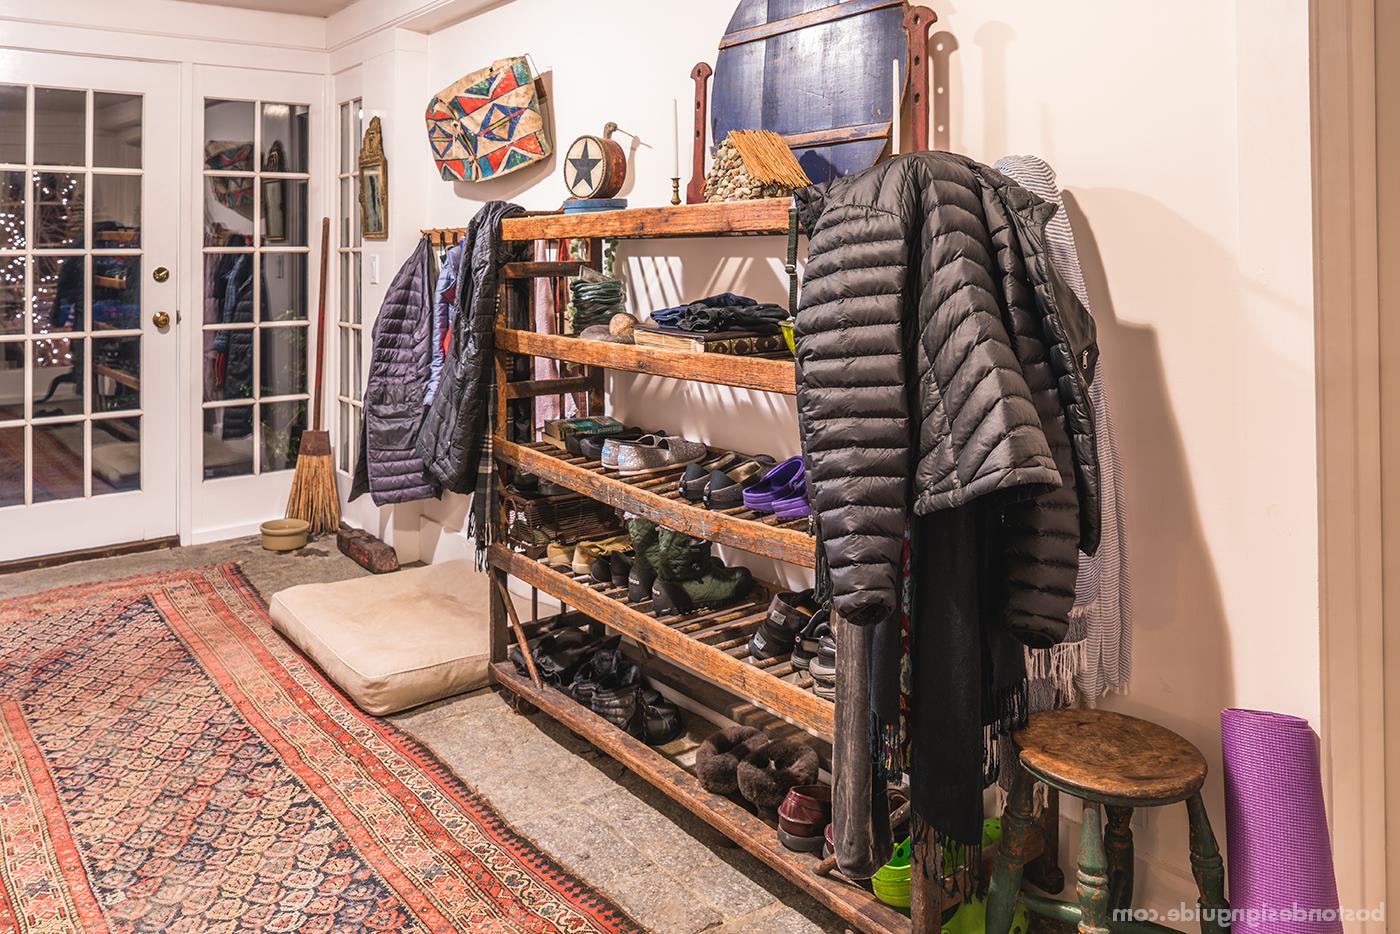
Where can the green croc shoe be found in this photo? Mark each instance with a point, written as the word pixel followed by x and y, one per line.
pixel 891 881
pixel 971 918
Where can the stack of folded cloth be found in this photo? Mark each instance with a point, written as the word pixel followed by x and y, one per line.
pixel 723 312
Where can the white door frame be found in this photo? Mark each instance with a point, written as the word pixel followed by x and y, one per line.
pixel 1352 508
pixel 152 511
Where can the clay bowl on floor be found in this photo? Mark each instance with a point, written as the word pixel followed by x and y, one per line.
pixel 285 534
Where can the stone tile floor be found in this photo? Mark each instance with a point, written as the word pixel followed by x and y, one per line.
pixel 665 867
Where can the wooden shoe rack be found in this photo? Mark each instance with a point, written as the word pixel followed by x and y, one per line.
pixel 708 651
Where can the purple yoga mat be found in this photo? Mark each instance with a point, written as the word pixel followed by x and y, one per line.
pixel 1276 825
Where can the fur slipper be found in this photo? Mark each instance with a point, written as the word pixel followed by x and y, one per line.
pixel 768 774
pixel 717 760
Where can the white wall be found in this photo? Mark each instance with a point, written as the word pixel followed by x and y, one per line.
pixel 1181 134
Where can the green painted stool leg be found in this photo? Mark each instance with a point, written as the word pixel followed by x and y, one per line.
pixel 1092 887
pixel 1118 842
pixel 1016 823
pixel 1207 867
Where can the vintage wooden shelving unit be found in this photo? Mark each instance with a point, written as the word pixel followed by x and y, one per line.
pixel 705 652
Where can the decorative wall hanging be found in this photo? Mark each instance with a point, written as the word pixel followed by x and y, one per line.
pixel 489 123
pixel 374 185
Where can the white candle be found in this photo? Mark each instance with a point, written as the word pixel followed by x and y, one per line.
pixel 676 136
pixel 894 107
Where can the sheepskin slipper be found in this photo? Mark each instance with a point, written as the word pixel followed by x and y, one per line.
pixel 768 774
pixel 717 760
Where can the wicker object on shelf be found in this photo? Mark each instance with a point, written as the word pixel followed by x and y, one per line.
pixel 532 521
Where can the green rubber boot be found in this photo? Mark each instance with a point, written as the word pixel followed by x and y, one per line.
pixel 689 577
pixel 646 551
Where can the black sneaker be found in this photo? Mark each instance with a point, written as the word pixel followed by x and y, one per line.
pixel 788 614
pixel 809 639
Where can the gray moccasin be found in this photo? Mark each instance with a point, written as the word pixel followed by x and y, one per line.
pixel 653 453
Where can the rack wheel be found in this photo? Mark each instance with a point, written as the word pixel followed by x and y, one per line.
pixel 520 705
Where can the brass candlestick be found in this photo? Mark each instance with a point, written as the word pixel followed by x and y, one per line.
pixel 675 189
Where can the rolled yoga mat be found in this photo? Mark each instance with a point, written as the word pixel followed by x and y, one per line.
pixel 1280 857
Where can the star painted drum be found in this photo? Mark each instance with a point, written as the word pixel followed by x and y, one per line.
pixel 595 167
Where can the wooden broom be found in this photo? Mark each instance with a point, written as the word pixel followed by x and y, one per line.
pixel 314 497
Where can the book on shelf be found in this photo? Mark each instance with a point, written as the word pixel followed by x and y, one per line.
pixel 726 342
pixel 557 429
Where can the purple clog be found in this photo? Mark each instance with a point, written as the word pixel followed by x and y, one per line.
pixel 786 481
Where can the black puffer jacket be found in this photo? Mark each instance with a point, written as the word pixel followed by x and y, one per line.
pixel 453 430
pixel 940 361
pixel 389 467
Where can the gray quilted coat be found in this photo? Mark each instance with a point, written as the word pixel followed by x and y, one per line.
pixel 454 430
pixel 390 468
pixel 940 360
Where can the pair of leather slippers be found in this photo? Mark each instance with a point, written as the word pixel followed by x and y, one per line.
pixel 745 761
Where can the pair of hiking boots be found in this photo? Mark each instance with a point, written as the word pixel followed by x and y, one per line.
pixel 677 572
pixel 613 687
pixel 594 671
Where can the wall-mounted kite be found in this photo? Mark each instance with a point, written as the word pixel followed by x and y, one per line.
pixel 489 123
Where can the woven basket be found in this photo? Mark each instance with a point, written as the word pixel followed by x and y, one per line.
pixel 532 521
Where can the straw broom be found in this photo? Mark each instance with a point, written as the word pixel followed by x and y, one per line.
pixel 314 497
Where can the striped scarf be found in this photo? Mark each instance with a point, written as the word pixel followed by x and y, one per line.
pixel 1096 657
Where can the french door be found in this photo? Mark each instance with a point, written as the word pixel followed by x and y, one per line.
pixel 89 216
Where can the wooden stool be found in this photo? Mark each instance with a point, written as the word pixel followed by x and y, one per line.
pixel 1121 763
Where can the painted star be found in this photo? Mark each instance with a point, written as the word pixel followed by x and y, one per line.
pixel 583 167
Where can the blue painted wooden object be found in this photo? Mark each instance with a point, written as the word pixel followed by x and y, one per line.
pixel 814 72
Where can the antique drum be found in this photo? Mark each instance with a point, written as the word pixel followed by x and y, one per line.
pixel 595 167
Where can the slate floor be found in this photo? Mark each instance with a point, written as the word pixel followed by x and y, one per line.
pixel 671 872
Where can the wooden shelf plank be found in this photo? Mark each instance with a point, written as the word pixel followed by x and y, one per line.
pixel 789 699
pixel 743 531
pixel 768 374
pixel 768 216
pixel 854 904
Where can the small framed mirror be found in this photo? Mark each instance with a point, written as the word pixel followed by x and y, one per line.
pixel 374 185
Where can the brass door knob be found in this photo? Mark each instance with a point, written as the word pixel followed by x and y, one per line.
pixel 161 320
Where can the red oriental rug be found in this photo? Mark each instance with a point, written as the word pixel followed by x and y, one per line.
pixel 168 763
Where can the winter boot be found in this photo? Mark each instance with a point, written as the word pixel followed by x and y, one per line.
pixel 646 548
pixel 689 577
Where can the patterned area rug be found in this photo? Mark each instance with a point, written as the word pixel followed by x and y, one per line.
pixel 168 763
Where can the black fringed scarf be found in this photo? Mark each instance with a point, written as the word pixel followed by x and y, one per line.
pixel 948 680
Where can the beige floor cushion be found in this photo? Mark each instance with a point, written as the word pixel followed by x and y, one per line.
pixel 394 641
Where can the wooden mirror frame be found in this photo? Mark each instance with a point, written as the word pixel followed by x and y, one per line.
pixel 374 185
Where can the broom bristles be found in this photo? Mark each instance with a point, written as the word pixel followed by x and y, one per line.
pixel 314 497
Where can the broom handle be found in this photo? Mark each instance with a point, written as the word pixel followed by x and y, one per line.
pixel 321 324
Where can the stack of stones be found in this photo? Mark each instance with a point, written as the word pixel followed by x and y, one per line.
pixel 752 164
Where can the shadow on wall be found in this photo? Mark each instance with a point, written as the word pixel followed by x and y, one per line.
pixel 507 187
pixel 1182 675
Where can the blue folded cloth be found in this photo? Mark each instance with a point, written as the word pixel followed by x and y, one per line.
pixel 724 312
pixel 668 317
